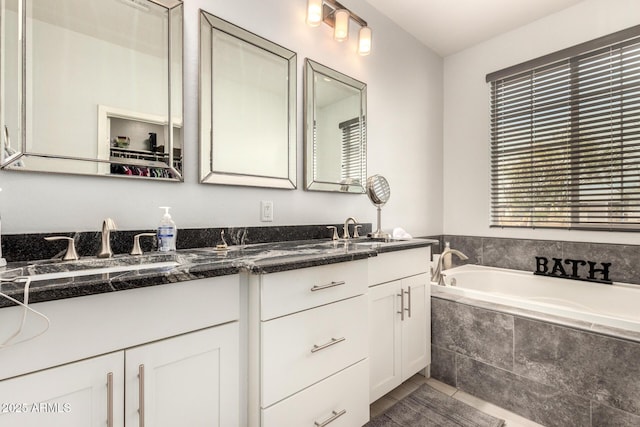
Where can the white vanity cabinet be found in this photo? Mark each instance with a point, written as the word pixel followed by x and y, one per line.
pixel 168 354
pixel 399 318
pixel 308 347
pixel 81 394
pixel 185 380
pixel 189 380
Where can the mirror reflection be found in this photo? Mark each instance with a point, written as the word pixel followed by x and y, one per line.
pixel 247 108
pixel 100 91
pixel 335 134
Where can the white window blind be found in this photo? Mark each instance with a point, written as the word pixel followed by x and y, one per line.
pixel 353 151
pixel 565 138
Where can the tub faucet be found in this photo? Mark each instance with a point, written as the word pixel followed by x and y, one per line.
pixel 437 275
pixel 105 249
pixel 345 232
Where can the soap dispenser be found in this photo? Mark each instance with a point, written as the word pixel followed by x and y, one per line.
pixel 167 232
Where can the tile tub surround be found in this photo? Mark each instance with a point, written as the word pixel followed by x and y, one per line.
pixel 29 247
pixel 518 254
pixel 552 374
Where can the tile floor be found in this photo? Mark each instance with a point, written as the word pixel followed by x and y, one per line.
pixel 386 401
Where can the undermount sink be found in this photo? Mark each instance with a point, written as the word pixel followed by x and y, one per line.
pixel 101 270
pixel 377 240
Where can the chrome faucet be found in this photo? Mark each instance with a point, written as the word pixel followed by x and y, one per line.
pixel 345 232
pixel 71 254
pixel 437 275
pixel 107 226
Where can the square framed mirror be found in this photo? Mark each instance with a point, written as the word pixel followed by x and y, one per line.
pixel 92 87
pixel 335 130
pixel 247 108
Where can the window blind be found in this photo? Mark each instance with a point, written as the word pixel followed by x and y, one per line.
pixel 353 151
pixel 565 140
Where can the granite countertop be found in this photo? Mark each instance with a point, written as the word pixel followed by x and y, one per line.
pixel 59 279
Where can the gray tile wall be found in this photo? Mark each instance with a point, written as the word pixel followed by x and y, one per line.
pixel 518 254
pixel 551 374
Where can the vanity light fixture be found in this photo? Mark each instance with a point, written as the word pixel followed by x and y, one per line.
pixel 341 27
pixel 337 16
pixel 314 12
pixel 364 41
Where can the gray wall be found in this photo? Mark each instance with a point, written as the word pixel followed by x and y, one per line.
pixel 518 254
pixel 404 83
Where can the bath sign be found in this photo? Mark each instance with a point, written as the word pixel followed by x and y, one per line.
pixel 575 269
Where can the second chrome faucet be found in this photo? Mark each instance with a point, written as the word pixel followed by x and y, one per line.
pixel 108 225
pixel 437 275
pixel 345 232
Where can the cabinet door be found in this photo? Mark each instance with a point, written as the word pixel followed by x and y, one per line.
pixel 385 335
pixel 80 394
pixel 415 328
pixel 189 380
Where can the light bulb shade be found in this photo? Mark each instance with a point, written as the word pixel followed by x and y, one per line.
pixel 364 41
pixel 341 29
pixel 314 12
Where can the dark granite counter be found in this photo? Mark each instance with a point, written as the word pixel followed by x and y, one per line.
pixel 52 280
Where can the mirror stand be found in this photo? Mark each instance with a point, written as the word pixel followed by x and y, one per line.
pixel 379 234
pixel 379 192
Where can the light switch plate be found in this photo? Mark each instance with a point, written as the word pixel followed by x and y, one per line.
pixel 266 211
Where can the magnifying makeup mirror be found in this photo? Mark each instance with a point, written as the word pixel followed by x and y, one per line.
pixel 379 192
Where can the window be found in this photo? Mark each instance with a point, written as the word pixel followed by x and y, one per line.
pixel 353 151
pixel 565 138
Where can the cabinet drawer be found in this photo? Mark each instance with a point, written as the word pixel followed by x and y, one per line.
pixel 390 266
pixel 339 331
pixel 297 290
pixel 344 391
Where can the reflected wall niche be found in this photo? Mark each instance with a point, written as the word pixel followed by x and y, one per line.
pixel 99 87
pixel 247 108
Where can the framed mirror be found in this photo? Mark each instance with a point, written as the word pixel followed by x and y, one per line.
pixel 335 130
pixel 247 108
pixel 92 87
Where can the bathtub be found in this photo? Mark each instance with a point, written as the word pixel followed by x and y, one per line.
pixel 616 305
pixel 557 351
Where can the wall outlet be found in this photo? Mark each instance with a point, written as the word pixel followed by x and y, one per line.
pixel 266 211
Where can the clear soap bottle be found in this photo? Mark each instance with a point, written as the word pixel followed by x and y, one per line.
pixel 167 232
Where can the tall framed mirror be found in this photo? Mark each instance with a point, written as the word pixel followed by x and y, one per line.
pixel 92 87
pixel 247 108
pixel 335 130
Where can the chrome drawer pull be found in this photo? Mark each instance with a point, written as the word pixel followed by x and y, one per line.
pixel 333 341
pixel 401 312
pixel 110 399
pixel 141 395
pixel 335 415
pixel 328 285
pixel 409 302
